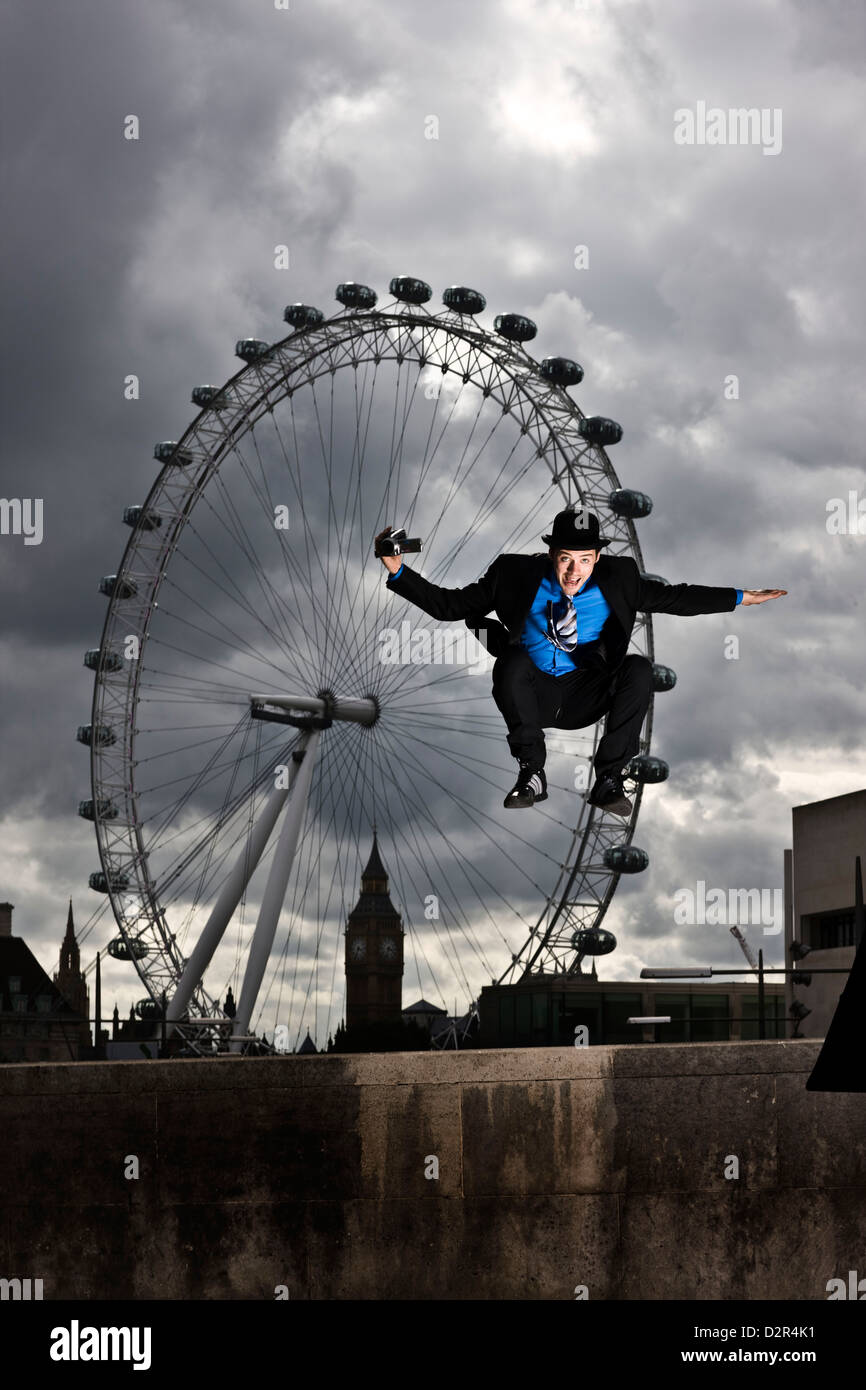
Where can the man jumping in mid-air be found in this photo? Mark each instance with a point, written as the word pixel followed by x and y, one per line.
pixel 561 644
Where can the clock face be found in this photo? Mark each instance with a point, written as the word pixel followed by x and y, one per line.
pixel 358 948
pixel 388 948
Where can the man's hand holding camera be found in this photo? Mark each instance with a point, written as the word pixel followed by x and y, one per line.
pixel 391 546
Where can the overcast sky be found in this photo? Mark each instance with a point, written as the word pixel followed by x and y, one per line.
pixel 554 126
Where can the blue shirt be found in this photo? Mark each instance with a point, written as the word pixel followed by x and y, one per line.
pixel 592 609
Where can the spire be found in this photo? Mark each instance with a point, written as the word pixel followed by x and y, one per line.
pixel 71 982
pixel 70 960
pixel 375 868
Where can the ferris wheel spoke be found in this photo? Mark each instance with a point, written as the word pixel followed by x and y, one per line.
pixel 409 757
pixel 280 638
pixel 192 787
pixel 381 592
pixel 277 638
pixel 238 597
pixel 476 814
pixel 428 457
pixel 249 680
pixel 344 548
pixel 202 868
pixel 460 863
pixel 423 861
pixel 326 625
pixel 214 767
pixel 311 659
pixel 411 678
pixel 174 689
pixel 457 481
pixel 238 533
pixel 186 622
pixel 211 827
pixel 347 639
pixel 475 521
pixel 382 510
pixel 466 758
pixel 490 507
pixel 309 533
pixel 378 597
pixel 327 462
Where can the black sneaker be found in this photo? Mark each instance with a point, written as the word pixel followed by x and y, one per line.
pixel 531 786
pixel 609 795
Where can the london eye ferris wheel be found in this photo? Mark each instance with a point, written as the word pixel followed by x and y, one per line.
pixel 261 704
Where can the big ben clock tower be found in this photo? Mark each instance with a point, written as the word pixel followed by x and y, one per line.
pixel 374 951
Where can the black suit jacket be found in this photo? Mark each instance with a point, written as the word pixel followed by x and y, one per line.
pixel 511 583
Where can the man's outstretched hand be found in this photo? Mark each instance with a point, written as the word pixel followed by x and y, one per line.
pixel 760 595
pixel 393 562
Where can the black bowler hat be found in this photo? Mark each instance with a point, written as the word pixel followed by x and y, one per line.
pixel 575 530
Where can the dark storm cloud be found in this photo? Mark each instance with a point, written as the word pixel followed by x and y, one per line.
pixel 555 129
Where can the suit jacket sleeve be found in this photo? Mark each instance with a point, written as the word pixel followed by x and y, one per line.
pixel 685 600
pixel 472 601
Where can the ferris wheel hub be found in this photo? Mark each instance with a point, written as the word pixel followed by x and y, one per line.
pixel 324 707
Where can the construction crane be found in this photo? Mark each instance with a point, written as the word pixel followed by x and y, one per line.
pixel 746 948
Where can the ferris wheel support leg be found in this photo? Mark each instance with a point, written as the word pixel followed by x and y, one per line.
pixel 229 896
pixel 274 894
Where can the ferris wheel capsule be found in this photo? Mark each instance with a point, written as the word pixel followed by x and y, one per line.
pixel 664 677
pixel 111 660
pixel 410 290
pixel 142 518
pixel 627 502
pixel 597 429
pixel 208 397
pixel 167 451
pixel 105 808
pixel 516 327
pixel 302 315
pixel 96 735
pixel 463 300
pixel 251 349
pixel 645 768
pixel 147 1009
pixel 626 859
pixel 115 586
pixel 355 296
pixel 593 941
pixel 562 371
pixel 101 882
pixel 120 949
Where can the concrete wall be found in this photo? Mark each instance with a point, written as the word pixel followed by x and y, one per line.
pixel 558 1167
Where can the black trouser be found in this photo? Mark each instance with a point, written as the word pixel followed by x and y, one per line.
pixel 532 701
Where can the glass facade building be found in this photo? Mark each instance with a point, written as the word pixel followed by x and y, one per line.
pixel 548 1010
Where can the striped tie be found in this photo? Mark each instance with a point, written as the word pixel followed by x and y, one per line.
pixel 562 624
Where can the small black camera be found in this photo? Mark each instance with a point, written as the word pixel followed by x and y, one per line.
pixel 397 543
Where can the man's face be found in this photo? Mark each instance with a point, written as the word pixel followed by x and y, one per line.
pixel 573 568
